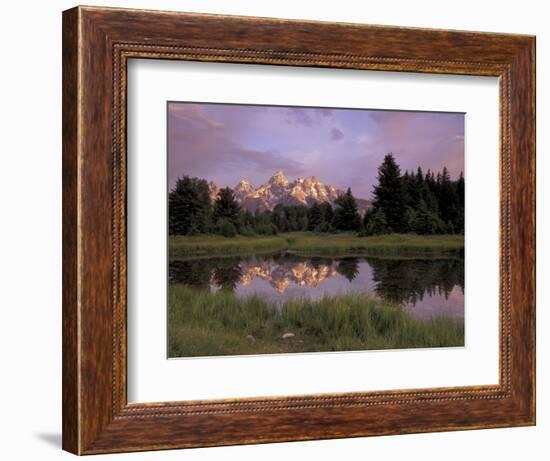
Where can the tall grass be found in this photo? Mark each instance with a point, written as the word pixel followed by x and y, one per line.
pixel 205 324
pixel 310 243
pixel 402 244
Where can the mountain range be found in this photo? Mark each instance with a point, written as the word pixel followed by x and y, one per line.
pixel 279 190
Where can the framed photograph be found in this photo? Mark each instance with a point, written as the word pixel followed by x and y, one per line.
pixel 281 230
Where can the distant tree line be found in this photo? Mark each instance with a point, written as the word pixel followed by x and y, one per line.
pixel 413 202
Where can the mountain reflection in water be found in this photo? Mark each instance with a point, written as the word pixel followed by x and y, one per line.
pixel 426 287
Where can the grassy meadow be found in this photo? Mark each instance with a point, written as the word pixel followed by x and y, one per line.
pixel 309 243
pixel 206 324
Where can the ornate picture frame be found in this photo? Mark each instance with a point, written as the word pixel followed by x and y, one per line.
pixel 97 44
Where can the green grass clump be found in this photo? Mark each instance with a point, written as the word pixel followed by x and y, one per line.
pixel 310 243
pixel 205 324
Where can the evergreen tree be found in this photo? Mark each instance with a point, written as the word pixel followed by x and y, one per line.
pixel 412 189
pixel 430 181
pixel 367 217
pixel 292 218
pixel 427 221
pixel 459 222
pixel 264 223
pixel 346 216
pixel 390 194
pixel 429 197
pixel 328 216
pixel 226 207
pixel 246 222
pixel 419 179
pixel 279 218
pixel 410 219
pixel 225 227
pixel 315 217
pixel 376 223
pixel 415 189
pixel 448 203
pixel 460 189
pixel 301 217
pixel 189 207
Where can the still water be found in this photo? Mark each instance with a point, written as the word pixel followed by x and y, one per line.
pixel 425 287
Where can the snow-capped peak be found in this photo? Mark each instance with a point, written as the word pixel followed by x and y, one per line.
pixel 243 185
pixel 278 178
pixel 279 190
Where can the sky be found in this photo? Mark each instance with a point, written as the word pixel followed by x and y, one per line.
pixel 340 147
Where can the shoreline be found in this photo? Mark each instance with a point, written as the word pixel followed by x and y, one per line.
pixel 313 244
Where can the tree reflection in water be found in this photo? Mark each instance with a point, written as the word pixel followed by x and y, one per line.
pixel 397 280
pixel 409 280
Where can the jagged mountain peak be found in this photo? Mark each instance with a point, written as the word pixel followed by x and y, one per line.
pixel 243 185
pixel 278 178
pixel 279 190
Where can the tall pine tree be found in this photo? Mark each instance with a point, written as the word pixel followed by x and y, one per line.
pixel 226 206
pixel 315 217
pixel 328 216
pixel 189 207
pixel 346 215
pixel 390 194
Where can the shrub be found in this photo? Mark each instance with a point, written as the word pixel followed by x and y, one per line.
pixel 226 228
pixel 247 232
pixel 266 229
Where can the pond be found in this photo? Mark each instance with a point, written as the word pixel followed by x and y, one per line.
pixel 425 287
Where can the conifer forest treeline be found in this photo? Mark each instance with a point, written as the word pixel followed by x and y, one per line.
pixel 413 202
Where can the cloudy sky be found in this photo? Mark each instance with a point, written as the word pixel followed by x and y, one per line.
pixel 341 147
